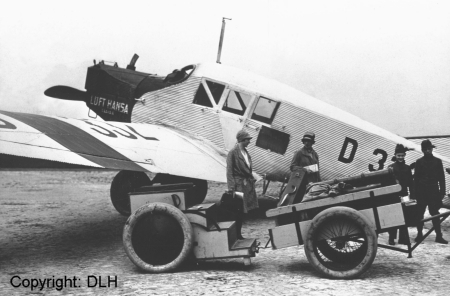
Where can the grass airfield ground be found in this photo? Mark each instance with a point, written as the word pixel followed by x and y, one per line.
pixel 61 223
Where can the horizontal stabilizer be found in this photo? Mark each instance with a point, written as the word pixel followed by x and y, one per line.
pixel 66 93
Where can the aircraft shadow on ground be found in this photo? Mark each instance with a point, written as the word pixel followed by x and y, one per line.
pixel 71 238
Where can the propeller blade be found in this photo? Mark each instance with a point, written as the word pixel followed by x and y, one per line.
pixel 66 93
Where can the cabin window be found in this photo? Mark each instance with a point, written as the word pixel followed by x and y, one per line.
pixel 236 102
pixel 273 140
pixel 216 90
pixel 265 110
pixel 201 97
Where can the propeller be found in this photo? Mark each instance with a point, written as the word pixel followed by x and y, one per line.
pixel 67 93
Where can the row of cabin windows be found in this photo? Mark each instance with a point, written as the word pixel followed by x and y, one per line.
pixel 237 102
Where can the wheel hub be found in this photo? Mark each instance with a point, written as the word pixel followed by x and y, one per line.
pixel 340 244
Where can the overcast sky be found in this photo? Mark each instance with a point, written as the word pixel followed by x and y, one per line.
pixel 387 62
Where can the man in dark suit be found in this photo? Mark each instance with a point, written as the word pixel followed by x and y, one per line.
pixel 402 173
pixel 429 183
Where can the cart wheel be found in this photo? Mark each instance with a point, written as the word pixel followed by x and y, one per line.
pixel 123 183
pixel 340 243
pixel 157 237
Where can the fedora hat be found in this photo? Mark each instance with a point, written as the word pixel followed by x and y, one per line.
pixel 426 144
pixel 399 148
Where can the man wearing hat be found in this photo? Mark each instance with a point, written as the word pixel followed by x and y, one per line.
pixel 429 182
pixel 239 176
pixel 402 173
pixel 305 157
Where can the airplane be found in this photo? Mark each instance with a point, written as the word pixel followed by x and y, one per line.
pixel 182 125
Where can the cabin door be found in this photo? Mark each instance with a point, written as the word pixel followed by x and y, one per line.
pixel 234 110
pixel 231 124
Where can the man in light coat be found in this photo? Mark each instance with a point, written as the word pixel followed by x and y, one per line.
pixel 239 176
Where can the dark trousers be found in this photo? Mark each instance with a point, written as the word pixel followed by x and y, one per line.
pixel 433 209
pixel 239 221
pixel 403 236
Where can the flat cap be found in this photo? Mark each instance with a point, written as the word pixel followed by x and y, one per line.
pixel 309 136
pixel 242 135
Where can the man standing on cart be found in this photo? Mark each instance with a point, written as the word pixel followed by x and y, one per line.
pixel 429 182
pixel 402 173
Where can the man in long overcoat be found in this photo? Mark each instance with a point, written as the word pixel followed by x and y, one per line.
pixel 240 177
pixel 429 182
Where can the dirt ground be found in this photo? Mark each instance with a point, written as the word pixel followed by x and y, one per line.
pixel 61 225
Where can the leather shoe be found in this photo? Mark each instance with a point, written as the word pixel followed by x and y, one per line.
pixel 418 238
pixel 391 242
pixel 441 240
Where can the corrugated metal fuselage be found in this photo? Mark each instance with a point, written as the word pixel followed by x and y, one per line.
pixel 344 148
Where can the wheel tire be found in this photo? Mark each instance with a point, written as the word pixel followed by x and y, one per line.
pixel 331 246
pixel 194 196
pixel 158 237
pixel 123 183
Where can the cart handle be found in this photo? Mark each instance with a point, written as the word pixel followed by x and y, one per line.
pixel 446 214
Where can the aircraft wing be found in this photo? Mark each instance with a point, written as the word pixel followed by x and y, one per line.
pixel 113 145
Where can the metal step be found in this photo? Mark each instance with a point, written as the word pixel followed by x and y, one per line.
pixel 245 243
pixel 223 226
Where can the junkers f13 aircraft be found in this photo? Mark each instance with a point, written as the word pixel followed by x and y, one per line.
pixel 182 125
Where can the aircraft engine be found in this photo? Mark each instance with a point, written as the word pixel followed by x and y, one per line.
pixel 111 91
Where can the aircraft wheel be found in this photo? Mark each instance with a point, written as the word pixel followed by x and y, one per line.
pixel 340 243
pixel 195 196
pixel 123 183
pixel 158 237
